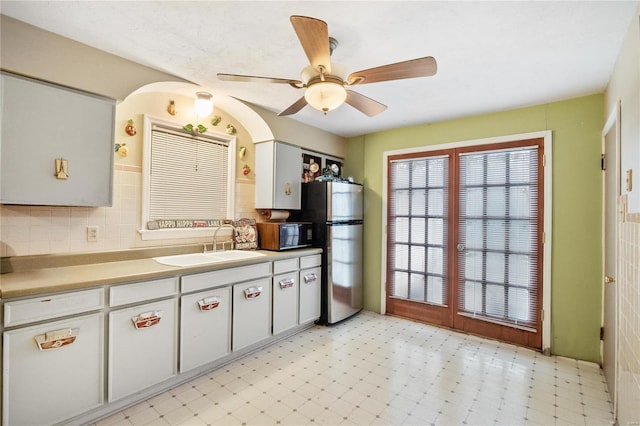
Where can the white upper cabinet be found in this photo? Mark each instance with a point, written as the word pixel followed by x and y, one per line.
pixel 278 181
pixel 57 144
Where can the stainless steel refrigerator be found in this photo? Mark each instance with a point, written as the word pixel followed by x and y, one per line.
pixel 335 209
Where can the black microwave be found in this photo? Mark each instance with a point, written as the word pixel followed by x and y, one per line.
pixel 284 235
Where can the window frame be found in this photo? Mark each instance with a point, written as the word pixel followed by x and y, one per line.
pixel 177 233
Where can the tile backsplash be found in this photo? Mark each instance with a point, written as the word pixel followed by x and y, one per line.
pixel 629 320
pixel 32 230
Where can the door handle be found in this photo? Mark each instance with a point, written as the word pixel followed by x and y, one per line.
pixel 609 280
pixel 461 247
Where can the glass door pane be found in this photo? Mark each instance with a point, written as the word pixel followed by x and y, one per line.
pixel 498 245
pixel 418 218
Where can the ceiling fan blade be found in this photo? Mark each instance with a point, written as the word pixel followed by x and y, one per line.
pixel 364 104
pixel 295 107
pixel 256 79
pixel 314 37
pixel 421 67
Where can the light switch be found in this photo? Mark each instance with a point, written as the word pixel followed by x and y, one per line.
pixel 629 180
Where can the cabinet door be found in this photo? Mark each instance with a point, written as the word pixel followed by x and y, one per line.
pixel 73 139
pixel 142 346
pixel 51 385
pixel 287 180
pixel 205 333
pixel 285 301
pixel 278 176
pixel 310 294
pixel 251 312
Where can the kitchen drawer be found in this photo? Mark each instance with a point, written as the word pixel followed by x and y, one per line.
pixel 49 307
pixel 223 277
pixel 310 261
pixel 286 265
pixel 148 290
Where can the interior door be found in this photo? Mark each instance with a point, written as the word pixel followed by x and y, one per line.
pixel 611 192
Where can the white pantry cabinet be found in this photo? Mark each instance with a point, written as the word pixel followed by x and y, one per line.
pixel 278 181
pixel 205 327
pixel 64 379
pixel 310 285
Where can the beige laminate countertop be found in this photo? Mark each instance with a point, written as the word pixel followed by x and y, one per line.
pixel 34 281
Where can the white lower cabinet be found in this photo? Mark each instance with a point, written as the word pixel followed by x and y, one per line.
pixel 310 294
pixel 63 379
pixel 205 333
pixel 285 301
pixel 251 312
pixel 143 346
pixel 54 371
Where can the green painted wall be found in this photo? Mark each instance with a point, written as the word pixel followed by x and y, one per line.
pixel 577 192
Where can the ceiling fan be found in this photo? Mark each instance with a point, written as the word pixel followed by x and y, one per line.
pixel 326 83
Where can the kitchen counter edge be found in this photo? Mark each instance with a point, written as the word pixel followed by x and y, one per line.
pixel 64 278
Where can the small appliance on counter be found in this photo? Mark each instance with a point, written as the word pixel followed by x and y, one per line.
pixel 280 236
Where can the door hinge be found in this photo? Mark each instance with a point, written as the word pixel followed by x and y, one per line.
pixel 603 158
pixel 601 333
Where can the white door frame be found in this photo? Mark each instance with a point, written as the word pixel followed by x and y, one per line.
pixel 612 123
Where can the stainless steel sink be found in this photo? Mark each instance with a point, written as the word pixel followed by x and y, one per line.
pixel 194 259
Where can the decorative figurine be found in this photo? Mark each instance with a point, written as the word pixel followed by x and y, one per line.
pixel 122 149
pixel 171 109
pixel 130 128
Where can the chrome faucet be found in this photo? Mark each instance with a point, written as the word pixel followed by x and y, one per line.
pixel 214 243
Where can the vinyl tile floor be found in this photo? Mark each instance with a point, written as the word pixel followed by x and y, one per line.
pixel 380 370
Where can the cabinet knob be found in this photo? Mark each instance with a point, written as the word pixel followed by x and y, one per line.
pixel 309 278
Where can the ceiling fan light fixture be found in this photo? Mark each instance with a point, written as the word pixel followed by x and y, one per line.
pixel 203 104
pixel 325 96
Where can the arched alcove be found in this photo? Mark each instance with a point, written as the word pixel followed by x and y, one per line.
pixel 254 124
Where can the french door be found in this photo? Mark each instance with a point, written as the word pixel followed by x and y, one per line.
pixel 465 239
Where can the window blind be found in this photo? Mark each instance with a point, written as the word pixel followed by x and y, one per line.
pixel 498 250
pixel 189 176
pixel 417 236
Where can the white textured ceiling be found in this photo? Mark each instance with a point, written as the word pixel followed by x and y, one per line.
pixel 491 55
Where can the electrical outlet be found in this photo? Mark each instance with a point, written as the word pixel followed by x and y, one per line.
pixel 92 233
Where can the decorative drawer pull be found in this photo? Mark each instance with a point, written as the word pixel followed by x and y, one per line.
pixel 147 319
pixel 252 292
pixel 56 339
pixel 309 278
pixel 287 282
pixel 209 303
